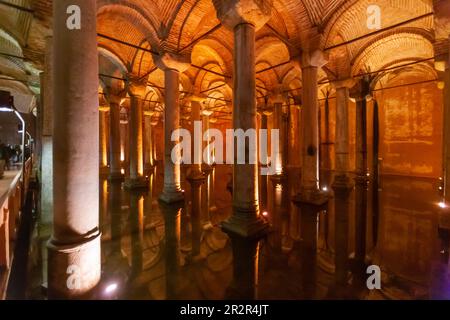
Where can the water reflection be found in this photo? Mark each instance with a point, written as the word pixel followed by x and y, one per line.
pixel 154 251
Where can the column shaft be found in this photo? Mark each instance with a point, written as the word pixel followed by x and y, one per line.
pixel 342 131
pixel 103 141
pixel 74 249
pixel 172 176
pixel 114 140
pixel 446 138
pixel 278 123
pixel 310 131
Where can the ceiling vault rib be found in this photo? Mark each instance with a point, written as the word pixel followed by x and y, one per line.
pixel 379 31
pixel 193 42
pixel 15 6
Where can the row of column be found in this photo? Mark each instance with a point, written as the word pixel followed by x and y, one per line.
pixel 74 249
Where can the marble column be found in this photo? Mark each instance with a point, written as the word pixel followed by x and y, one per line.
pixel 148 141
pixel 310 192
pixel 172 65
pixel 74 260
pixel 197 150
pixel 137 179
pixel 279 123
pixel 103 143
pixel 244 18
pixel 114 137
pixel 341 179
pixel 446 137
pixel 206 126
pixel 47 136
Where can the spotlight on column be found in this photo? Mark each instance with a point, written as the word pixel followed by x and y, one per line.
pixel 325 189
pixel 265 214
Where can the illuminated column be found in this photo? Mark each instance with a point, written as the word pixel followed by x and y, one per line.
pixel 103 142
pixel 361 180
pixel 310 192
pixel 446 137
pixel 197 150
pixel 279 123
pixel 114 137
pixel 148 143
pixel 136 179
pixel 244 18
pixel 47 136
pixel 172 66
pixel 74 260
pixel 206 125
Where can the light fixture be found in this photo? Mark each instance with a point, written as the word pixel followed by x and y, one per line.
pixel 324 188
pixel 111 288
pixel 265 213
pixel 442 205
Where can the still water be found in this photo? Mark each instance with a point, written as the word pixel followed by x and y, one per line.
pixel 155 252
pixel 152 251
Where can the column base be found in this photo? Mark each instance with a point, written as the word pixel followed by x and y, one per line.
pixel 314 197
pixel 74 270
pixel 361 180
pixel 278 177
pixel 207 169
pixel 342 185
pixel 240 225
pixel 171 196
pixel 196 178
pixel 116 176
pixel 137 183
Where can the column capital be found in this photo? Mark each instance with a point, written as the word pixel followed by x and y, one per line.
pixel 277 95
pixel 316 58
pixel 114 96
pixel 234 12
pixel 344 83
pixel 170 61
pixel 360 91
pixel 137 87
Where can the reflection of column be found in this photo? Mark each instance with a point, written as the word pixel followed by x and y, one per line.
pixel 244 18
pixel 196 184
pixel 245 269
pixel 136 231
pixel 342 200
pixel 74 249
pixel 115 204
pixel 114 137
pixel 197 150
pixel 308 247
pixel 136 179
pixel 172 219
pixel 172 67
pixel 103 143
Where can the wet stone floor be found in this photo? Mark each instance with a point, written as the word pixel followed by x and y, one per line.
pixel 150 251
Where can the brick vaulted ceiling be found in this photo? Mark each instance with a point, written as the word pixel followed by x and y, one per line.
pixel 180 26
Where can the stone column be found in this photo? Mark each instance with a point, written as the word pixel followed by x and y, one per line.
pixel 446 137
pixel 74 262
pixel 47 136
pixel 310 192
pixel 206 125
pixel 361 180
pixel 341 179
pixel 197 150
pixel 244 18
pixel 114 137
pixel 103 143
pixel 172 65
pixel 148 141
pixel 136 180
pixel 279 123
